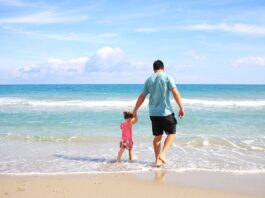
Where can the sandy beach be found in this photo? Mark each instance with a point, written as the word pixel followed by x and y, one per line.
pixel 151 184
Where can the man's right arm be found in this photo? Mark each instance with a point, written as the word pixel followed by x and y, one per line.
pixel 178 100
pixel 139 102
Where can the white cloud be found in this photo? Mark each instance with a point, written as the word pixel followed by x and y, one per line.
pixel 46 17
pixel 22 3
pixel 195 55
pixel 78 61
pixel 111 60
pixel 233 28
pixel 147 30
pixel 250 61
pixel 16 3
pixel 54 67
pixel 107 59
pixel 72 36
pixel 107 37
pixel 71 65
pixel 106 65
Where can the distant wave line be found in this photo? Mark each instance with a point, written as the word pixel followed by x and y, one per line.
pixel 126 103
pixel 225 103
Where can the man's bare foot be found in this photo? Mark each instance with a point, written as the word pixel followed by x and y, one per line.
pixel 158 163
pixel 161 157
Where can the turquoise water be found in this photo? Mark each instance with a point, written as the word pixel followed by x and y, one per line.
pixel 75 128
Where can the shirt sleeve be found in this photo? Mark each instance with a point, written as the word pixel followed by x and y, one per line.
pixel 171 83
pixel 146 88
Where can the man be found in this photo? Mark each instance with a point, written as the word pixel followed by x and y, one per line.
pixel 158 86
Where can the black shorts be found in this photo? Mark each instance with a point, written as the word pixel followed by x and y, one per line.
pixel 163 123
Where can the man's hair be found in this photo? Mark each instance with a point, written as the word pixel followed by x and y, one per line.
pixel 127 114
pixel 158 64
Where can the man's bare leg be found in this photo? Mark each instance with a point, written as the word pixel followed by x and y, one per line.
pixel 168 141
pixel 157 148
pixel 120 154
pixel 131 154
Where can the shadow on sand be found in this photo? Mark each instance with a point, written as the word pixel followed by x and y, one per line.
pixel 84 159
pixel 97 159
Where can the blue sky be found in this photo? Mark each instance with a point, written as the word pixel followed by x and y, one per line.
pixel 75 41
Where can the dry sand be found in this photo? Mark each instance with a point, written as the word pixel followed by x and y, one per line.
pixel 148 185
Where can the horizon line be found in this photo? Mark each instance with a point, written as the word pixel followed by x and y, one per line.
pixel 130 84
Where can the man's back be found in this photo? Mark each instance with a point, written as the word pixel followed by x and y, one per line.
pixel 162 117
pixel 159 86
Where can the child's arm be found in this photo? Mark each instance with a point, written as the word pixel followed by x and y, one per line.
pixel 134 119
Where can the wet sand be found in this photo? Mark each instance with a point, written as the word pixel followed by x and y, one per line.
pixel 160 183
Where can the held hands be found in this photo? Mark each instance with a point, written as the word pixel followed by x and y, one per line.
pixel 134 113
pixel 135 118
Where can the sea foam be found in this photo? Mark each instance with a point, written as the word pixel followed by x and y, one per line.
pixel 128 103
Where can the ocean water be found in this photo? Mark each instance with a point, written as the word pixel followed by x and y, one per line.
pixel 50 129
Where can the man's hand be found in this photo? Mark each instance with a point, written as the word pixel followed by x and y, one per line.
pixel 134 113
pixel 181 113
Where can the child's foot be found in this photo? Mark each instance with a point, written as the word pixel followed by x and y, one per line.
pixel 162 158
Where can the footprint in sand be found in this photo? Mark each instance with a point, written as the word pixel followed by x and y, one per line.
pixel 21 189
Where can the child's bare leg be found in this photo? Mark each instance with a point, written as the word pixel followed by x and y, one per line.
pixel 131 154
pixel 120 154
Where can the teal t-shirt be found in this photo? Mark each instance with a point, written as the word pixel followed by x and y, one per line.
pixel 159 86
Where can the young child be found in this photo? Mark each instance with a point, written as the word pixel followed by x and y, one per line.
pixel 126 141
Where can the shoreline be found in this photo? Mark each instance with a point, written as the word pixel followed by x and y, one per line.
pixel 154 168
pixel 155 183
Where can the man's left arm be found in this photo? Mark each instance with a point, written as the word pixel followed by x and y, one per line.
pixel 176 95
pixel 139 102
pixel 178 100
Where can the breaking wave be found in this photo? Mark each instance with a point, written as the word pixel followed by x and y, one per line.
pixel 127 103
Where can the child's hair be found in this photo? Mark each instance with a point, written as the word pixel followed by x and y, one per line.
pixel 127 114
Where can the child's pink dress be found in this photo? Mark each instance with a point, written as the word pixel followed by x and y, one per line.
pixel 126 136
